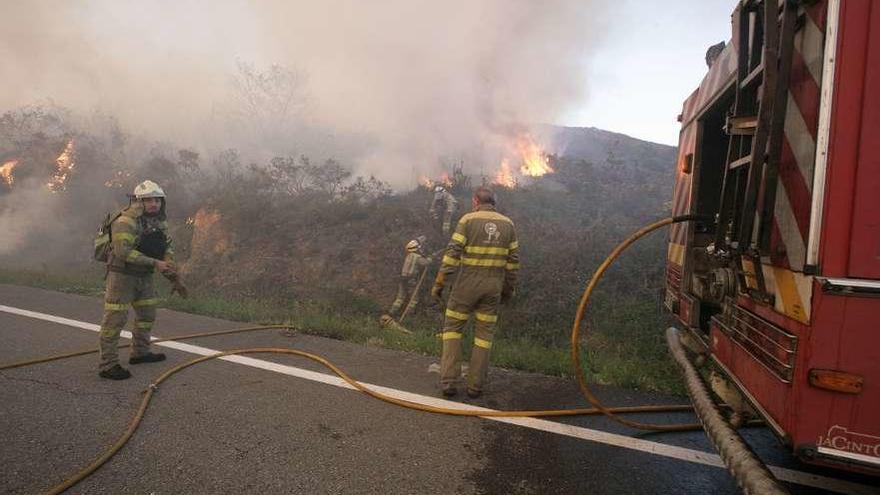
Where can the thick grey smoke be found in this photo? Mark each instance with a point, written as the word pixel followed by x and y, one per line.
pixel 391 88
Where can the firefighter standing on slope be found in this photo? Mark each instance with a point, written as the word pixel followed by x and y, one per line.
pixel 139 245
pixel 484 254
pixel 441 195
pixel 413 264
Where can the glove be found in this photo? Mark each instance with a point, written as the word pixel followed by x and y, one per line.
pixel 507 294
pixel 439 285
pixel 180 289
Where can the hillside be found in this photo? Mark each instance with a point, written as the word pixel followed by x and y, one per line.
pixel 296 233
pixel 309 248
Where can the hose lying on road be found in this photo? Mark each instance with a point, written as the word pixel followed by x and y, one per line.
pixel 148 395
pixel 359 386
pixel 93 350
pixel 412 405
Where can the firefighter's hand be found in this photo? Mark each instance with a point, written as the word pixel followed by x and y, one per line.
pixel 164 266
pixel 437 292
pixel 437 289
pixel 507 295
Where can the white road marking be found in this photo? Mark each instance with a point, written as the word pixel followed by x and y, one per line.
pixel 613 439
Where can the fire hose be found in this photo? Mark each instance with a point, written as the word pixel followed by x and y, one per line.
pixel 598 407
pixel 151 389
pixel 750 473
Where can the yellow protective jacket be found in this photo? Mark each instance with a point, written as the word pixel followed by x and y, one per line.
pixel 446 199
pixel 127 231
pixel 412 264
pixel 484 245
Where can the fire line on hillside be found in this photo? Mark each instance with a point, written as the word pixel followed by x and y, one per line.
pixel 534 162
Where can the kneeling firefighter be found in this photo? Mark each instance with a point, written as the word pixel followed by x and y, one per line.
pixel 416 260
pixel 134 242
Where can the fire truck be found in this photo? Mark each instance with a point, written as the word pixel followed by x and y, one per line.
pixel 776 285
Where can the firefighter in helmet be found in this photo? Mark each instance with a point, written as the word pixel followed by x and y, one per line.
pixel 444 199
pixel 416 260
pixel 140 245
pixel 483 254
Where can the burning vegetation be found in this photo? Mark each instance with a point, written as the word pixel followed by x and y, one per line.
pixel 6 172
pixel 63 167
pixel 533 162
pixel 504 176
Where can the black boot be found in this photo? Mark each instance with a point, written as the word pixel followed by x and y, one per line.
pixel 474 394
pixel 115 373
pixel 449 391
pixel 150 357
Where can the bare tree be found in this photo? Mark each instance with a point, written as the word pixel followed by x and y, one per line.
pixel 268 101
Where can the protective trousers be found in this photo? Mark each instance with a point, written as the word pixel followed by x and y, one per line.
pixel 121 291
pixel 447 221
pixel 480 296
pixel 405 289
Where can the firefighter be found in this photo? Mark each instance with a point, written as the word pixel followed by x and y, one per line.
pixel 484 255
pixel 444 198
pixel 413 264
pixel 140 245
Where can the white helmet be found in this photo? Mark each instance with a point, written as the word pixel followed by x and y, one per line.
pixel 148 189
pixel 413 246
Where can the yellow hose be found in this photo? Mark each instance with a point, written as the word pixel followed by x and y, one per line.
pixel 148 395
pixel 93 350
pixel 575 332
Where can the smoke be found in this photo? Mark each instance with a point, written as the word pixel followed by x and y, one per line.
pixel 390 88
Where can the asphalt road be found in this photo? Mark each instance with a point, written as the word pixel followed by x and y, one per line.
pixel 258 427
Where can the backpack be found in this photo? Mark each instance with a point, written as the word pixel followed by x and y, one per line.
pixel 102 240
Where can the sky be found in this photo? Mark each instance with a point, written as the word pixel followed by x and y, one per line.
pixel 388 87
pixel 650 60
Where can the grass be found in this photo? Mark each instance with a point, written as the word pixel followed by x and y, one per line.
pixel 625 347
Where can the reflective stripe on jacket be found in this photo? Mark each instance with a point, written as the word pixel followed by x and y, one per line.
pixel 485 242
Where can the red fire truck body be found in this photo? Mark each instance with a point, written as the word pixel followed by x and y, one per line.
pixel 781 283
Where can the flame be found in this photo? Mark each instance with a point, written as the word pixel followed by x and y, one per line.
pixel 63 165
pixel 208 232
pixel 504 177
pixel 6 172
pixel 444 181
pixel 535 162
pixel 532 159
